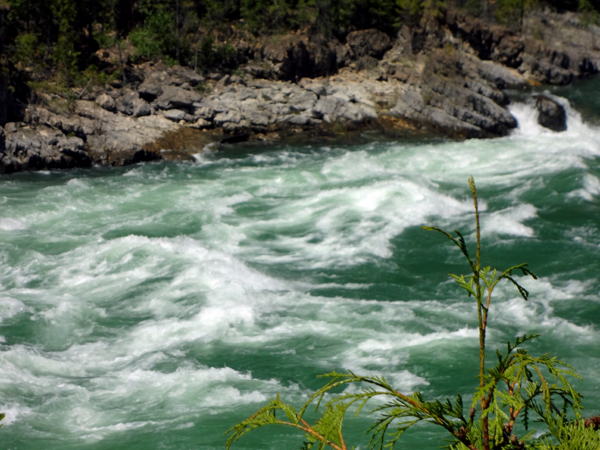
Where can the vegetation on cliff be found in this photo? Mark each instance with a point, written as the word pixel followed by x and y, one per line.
pixel 63 36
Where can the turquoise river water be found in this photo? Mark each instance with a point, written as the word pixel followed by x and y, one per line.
pixel 154 306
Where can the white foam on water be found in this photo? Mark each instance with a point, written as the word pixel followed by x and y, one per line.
pixel 96 434
pixel 509 221
pixel 136 172
pixel 537 314
pixel 527 121
pixel 208 148
pixel 349 286
pixel 78 183
pixel 348 226
pixel 590 189
pixel 570 147
pixel 540 318
pixel 10 307
pixel 228 396
pixel 22 364
pixel 355 223
pixel 121 368
pixel 547 289
pixel 144 396
pixel 8 224
pixel 526 115
pixel 13 412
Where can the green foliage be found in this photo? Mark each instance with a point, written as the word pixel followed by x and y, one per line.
pixel 209 55
pixel 218 12
pixel 157 37
pixel 106 40
pixel 517 387
pixel 92 76
pixel 512 12
pixel 264 15
pixel 589 14
pixel 410 10
pixel 65 55
pixel 432 9
pixel 473 7
pixel 325 16
pixel 25 48
pixel 572 435
pixel 413 11
pixel 68 32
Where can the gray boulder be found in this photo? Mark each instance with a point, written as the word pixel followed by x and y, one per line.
pixel 177 115
pixel 174 97
pixel 256 116
pixel 106 102
pixel 74 148
pixel 236 127
pixel 141 108
pixel 332 108
pixel 302 101
pixel 202 124
pixel 327 106
pixel 181 75
pixel 299 119
pixel 70 143
pixel 227 117
pixel 10 127
pixel 125 102
pixel 10 164
pixel 205 112
pixel 551 114
pixel 67 125
pixel 150 90
pixel 31 150
pixel 411 105
pixel 18 144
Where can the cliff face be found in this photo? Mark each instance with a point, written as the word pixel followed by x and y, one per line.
pixel 550 48
pixel 447 76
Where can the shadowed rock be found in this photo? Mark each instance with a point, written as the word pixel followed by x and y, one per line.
pixel 371 42
pixel 551 114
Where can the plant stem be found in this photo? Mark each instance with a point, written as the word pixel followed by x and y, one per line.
pixel 481 314
pixel 308 429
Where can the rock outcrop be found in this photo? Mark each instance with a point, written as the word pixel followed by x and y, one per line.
pixel 447 76
pixel 553 48
pixel 551 114
pixel 42 148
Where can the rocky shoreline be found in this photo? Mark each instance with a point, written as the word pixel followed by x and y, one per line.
pixel 448 77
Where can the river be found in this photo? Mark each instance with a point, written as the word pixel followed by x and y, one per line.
pixel 155 306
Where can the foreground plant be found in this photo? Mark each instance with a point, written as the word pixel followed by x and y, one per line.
pixel 518 386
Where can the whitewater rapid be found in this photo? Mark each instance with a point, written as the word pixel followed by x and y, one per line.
pixel 155 306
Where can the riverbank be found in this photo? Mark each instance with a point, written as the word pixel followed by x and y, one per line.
pixel 446 77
